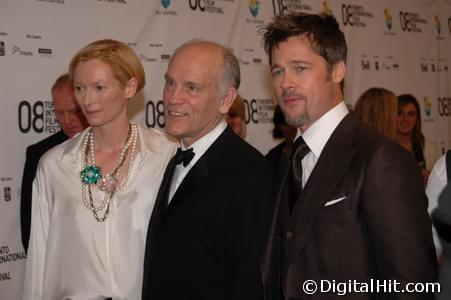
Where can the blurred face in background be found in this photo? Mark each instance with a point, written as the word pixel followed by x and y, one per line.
pixel 407 119
pixel 67 112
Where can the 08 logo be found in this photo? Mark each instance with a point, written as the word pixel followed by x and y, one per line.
pixel 31 116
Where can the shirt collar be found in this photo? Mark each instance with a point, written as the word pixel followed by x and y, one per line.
pixel 201 145
pixel 317 135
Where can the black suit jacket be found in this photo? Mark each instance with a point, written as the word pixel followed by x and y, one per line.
pixel 362 215
pixel 34 153
pixel 209 243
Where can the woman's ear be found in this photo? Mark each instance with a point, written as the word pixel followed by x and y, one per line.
pixel 130 87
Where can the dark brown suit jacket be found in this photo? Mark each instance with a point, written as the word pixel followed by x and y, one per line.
pixel 379 229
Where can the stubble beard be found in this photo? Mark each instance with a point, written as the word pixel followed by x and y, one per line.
pixel 297 121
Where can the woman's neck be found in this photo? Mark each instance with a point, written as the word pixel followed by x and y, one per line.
pixel 405 140
pixel 111 137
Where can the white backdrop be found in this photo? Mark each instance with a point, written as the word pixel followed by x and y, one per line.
pixel 402 45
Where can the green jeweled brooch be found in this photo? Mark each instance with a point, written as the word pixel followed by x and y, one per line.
pixel 91 175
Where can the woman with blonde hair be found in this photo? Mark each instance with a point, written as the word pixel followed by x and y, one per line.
pixel 93 195
pixel 377 108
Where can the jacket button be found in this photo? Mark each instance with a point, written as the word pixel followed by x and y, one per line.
pixel 289 234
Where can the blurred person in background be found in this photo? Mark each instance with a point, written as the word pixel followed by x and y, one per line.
pixel 410 136
pixel 72 121
pixel 236 117
pixel 377 108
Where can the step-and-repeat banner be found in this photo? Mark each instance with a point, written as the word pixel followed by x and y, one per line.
pixel 402 45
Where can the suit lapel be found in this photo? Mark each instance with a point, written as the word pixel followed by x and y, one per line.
pixel 329 170
pixel 209 162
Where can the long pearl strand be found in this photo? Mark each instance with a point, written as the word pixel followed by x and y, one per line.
pixel 107 183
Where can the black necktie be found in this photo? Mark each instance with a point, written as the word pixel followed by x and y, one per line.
pixel 300 150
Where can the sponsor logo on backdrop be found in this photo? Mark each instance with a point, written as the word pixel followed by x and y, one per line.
pixel 283 7
pixel 258 111
pixel 388 19
pixel 155 113
pixel 365 63
pixel 376 65
pixel 257 60
pixel 444 106
pixel 208 6
pixel 427 106
pixel 388 22
pixel 144 58
pixel 52 1
pixel 2 33
pixel 33 36
pixel 18 51
pixel 2 48
pixel 7 257
pixel 411 22
pixel 326 8
pixel 254 6
pixel 379 64
pixel 7 193
pixel 424 67
pixel 165 3
pixel 47 52
pixel 114 1
pixel 37 117
pixel 438 27
pixel 165 57
pixel 354 15
pixel 166 12
pixel 438 24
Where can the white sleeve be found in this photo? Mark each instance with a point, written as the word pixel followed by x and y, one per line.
pixel 40 219
pixel 436 183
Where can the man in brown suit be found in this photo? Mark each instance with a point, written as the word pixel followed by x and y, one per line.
pixel 351 204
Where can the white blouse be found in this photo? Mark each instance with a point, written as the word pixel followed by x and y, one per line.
pixel 71 255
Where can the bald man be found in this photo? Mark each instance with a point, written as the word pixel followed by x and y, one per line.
pixel 209 222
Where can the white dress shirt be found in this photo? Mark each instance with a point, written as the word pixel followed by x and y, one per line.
pixel 317 135
pixel 436 183
pixel 71 255
pixel 199 148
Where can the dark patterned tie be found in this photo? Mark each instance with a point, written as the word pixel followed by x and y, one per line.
pixel 300 150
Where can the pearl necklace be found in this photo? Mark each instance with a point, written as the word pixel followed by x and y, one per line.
pixel 91 175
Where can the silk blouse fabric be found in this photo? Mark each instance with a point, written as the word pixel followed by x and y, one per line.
pixel 71 255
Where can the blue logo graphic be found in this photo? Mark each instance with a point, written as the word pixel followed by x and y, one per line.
pixel 254 6
pixel 166 3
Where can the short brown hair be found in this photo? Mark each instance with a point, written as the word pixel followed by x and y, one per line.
pixel 321 30
pixel 121 58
